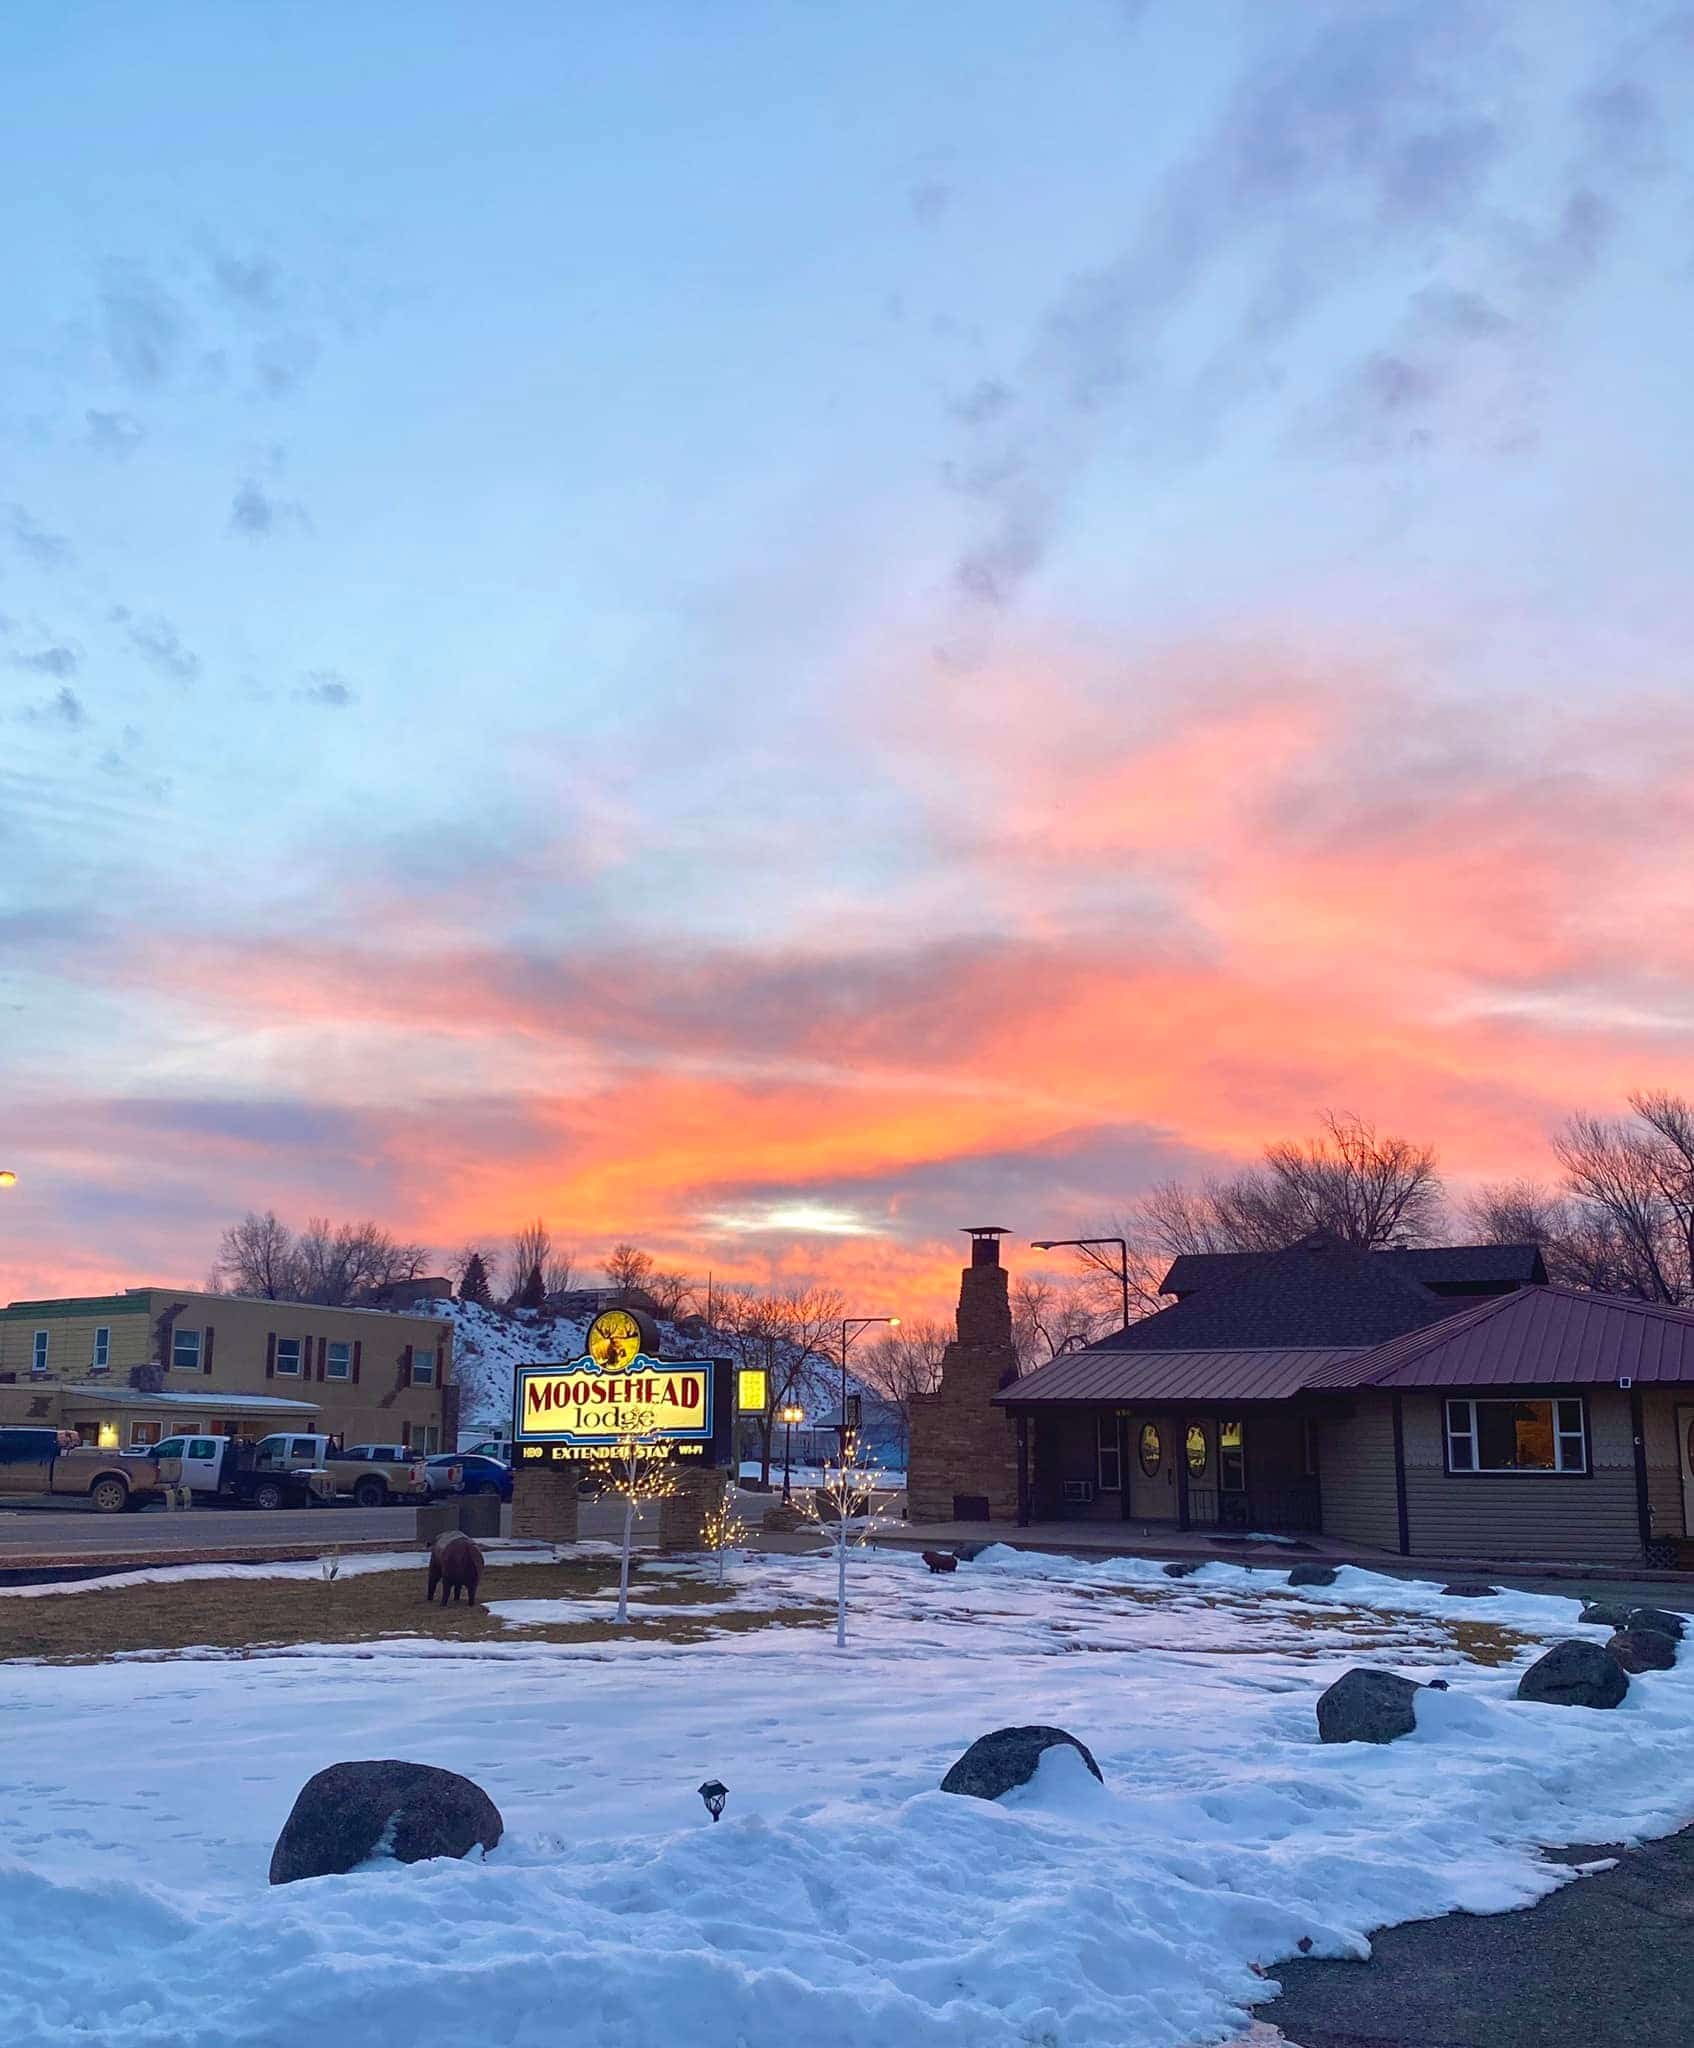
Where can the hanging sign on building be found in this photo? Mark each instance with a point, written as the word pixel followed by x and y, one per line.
pixel 620 1388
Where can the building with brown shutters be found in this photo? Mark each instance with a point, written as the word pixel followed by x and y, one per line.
pixel 365 1375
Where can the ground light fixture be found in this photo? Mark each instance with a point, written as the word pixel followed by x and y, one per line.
pixel 1091 1249
pixel 714 1792
pixel 8 1179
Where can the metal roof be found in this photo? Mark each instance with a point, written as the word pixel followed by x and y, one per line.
pixel 1266 1374
pixel 209 1403
pixel 1536 1337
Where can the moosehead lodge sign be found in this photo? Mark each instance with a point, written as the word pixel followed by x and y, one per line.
pixel 619 1389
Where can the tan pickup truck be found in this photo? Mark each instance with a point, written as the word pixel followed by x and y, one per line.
pixel 48 1464
pixel 374 1475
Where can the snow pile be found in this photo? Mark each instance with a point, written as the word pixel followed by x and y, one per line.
pixel 843 1899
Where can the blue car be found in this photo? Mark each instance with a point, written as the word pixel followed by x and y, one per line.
pixel 480 1474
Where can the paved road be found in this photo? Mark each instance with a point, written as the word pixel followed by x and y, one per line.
pixel 1604 1963
pixel 34 1531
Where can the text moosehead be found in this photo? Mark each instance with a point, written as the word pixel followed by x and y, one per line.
pixel 573 1402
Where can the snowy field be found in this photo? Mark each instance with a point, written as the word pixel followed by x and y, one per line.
pixel 843 1902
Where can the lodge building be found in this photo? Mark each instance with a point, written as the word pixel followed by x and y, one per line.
pixel 1437 1402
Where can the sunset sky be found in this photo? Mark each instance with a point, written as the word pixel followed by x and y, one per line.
pixel 773 629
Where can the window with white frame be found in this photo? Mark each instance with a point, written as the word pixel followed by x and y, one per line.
pixel 185 1350
pixel 338 1362
pixel 288 1356
pixel 1516 1436
pixel 427 1438
pixel 102 1358
pixel 38 1356
pixel 1108 1457
pixel 423 1368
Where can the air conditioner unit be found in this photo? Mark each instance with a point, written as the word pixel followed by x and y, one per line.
pixel 1079 1491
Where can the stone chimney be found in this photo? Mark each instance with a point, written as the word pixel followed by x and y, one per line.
pixel 963 1448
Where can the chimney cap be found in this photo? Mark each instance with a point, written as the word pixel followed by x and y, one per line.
pixel 984 1230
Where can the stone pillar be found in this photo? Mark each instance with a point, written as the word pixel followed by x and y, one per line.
pixel 544 1503
pixel 682 1518
pixel 961 1443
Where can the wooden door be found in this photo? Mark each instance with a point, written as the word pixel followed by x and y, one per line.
pixel 1152 1468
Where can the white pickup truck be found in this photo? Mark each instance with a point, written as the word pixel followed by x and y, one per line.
pixel 373 1475
pixel 223 1468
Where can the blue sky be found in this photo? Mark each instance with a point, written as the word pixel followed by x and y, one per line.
pixel 746 588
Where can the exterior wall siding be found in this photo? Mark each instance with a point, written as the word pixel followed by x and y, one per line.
pixel 1356 1461
pixel 1576 1518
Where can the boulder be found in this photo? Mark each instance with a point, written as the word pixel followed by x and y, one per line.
pixel 1660 1619
pixel 1575 1674
pixel 1313 1575
pixel 1643 1649
pixel 996 1763
pixel 964 1552
pixel 1364 1705
pixel 1605 1614
pixel 413 1811
pixel 1184 1570
pixel 1469 1589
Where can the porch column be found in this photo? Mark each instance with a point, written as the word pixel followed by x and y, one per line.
pixel 1643 1493
pixel 1401 1511
pixel 1182 1521
pixel 1023 1471
pixel 1124 1420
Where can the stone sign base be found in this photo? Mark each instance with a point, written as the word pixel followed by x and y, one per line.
pixel 544 1503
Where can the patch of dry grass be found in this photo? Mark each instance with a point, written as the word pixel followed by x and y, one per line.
pixel 245 1614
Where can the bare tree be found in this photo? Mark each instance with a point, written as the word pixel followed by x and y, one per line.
pixel 1635 1178
pixel 1050 1316
pixel 639 1475
pixel 256 1256
pixel 336 1263
pixel 903 1365
pixel 530 1251
pixel 559 1271
pixel 1581 1243
pixel 628 1269
pixel 672 1293
pixel 1350 1183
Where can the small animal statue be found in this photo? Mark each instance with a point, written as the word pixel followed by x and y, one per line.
pixel 940 1560
pixel 455 1565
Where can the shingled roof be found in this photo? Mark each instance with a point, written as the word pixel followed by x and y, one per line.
pixel 1264 1374
pixel 1313 1294
pixel 1537 1337
pixel 1444 1268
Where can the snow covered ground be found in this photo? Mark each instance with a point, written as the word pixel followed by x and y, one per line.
pixel 843 1902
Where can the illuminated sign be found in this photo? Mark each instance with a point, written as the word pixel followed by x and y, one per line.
pixel 584 1410
pixel 752 1390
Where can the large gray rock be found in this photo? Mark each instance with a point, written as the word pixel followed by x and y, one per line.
pixel 413 1810
pixel 1575 1674
pixel 997 1763
pixel 1364 1705
pixel 1313 1575
pixel 1469 1589
pixel 1606 1614
pixel 1184 1569
pixel 1643 1649
pixel 1660 1618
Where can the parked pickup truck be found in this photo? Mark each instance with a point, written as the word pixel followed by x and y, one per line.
pixel 370 1474
pixel 43 1464
pixel 223 1468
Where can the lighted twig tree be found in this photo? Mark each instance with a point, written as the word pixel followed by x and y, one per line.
pixel 640 1474
pixel 845 1497
pixel 723 1530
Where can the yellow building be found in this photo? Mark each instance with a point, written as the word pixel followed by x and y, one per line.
pixel 365 1375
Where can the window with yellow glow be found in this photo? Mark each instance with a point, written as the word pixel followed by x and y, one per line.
pixel 108 1437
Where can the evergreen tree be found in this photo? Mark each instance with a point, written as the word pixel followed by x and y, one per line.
pixel 534 1291
pixel 473 1282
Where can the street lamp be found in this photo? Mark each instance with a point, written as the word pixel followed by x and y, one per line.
pixel 8 1179
pixel 1090 1250
pixel 850 1328
pixel 788 1416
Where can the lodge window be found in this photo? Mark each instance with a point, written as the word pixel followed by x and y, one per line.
pixel 1108 1461
pixel 1198 1450
pixel 288 1356
pixel 338 1362
pixel 423 1368
pixel 147 1433
pixel 1516 1436
pixel 185 1350
pixel 1232 1458
pixel 1150 1449
pixel 427 1438
pixel 38 1357
pixel 102 1358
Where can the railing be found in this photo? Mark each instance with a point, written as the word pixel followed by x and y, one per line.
pixel 1259 1507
